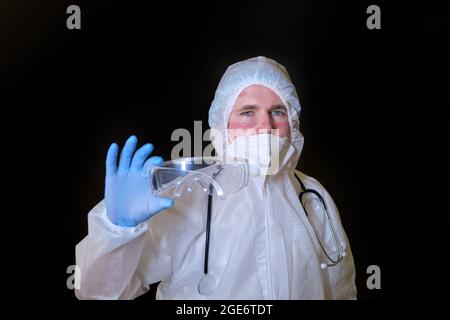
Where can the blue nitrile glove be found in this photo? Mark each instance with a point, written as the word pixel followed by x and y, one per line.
pixel 128 197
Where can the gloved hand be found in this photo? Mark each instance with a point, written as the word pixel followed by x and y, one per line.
pixel 128 197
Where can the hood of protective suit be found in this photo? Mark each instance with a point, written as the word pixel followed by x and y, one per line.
pixel 256 71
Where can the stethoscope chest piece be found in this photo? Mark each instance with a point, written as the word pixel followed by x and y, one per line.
pixel 206 285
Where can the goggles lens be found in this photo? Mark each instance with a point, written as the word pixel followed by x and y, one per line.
pixel 179 177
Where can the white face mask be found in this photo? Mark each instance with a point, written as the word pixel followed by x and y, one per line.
pixel 265 153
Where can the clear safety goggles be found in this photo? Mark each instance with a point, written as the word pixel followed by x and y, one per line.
pixel 179 177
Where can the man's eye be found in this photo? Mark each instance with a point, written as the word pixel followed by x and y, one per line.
pixel 278 113
pixel 247 113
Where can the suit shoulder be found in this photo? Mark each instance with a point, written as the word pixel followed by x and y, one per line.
pixel 309 181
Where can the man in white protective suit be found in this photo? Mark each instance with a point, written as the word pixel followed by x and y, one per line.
pixel 263 243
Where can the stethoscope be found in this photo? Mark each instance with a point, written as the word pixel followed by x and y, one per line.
pixel 340 252
pixel 207 283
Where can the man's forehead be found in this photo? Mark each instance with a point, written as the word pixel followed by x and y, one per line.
pixel 243 93
pixel 258 92
pixel 255 88
pixel 257 106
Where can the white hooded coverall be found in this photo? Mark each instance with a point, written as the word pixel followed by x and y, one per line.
pixel 261 245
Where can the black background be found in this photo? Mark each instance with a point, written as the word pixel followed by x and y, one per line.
pixel 374 112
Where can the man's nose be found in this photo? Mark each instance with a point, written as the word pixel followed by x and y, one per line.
pixel 264 124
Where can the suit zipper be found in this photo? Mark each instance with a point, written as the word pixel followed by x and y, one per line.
pixel 268 242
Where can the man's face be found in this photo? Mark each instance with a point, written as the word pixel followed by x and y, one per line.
pixel 258 110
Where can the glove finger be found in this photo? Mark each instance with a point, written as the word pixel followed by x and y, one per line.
pixel 153 161
pixel 158 204
pixel 127 154
pixel 111 159
pixel 140 156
